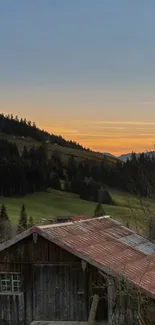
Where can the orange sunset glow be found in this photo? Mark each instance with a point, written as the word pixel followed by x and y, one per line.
pixel 112 138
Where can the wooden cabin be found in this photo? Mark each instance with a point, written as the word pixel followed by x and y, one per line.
pixel 53 273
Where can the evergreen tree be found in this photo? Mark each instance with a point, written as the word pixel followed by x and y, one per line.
pixel 30 222
pixel 3 213
pixel 5 225
pixel 25 153
pixel 151 228
pixel 107 199
pixel 22 225
pixel 71 168
pixel 127 224
pixel 100 195
pixel 55 183
pixel 67 186
pixel 99 210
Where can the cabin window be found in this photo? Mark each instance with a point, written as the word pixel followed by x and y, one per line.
pixel 10 283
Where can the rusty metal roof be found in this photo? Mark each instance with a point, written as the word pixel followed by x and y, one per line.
pixel 71 218
pixel 78 218
pixel 106 244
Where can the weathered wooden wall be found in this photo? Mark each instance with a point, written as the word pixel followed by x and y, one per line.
pixel 26 251
pixel 59 293
pixel 53 286
pixel 12 309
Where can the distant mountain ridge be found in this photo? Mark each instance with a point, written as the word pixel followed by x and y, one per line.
pixel 124 157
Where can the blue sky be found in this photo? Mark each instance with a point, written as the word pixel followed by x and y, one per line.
pixel 71 64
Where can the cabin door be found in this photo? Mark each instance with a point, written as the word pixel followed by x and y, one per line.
pixel 58 293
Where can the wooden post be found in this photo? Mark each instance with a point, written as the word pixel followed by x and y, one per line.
pixel 111 293
pixel 93 309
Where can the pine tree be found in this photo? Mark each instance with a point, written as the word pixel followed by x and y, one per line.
pixel 151 228
pixel 30 222
pixel 107 199
pixel 71 168
pixel 3 213
pixel 99 210
pixel 22 225
pixel 5 225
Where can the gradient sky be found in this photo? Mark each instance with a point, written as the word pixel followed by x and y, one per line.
pixel 84 69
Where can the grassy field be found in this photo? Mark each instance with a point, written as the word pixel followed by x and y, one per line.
pixel 63 151
pixel 56 203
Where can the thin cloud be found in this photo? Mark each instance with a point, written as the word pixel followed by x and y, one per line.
pixel 62 130
pixel 145 128
pixel 147 134
pixel 121 122
pixel 109 127
pixel 109 123
pixel 149 103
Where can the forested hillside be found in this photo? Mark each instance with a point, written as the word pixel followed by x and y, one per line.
pixel 21 127
pixel 33 170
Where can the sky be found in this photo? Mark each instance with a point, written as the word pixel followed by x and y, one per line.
pixel 84 69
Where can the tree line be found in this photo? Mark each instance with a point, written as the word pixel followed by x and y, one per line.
pixel 32 170
pixel 22 128
pixel 6 228
pixel 25 222
pixel 91 179
pixel 22 173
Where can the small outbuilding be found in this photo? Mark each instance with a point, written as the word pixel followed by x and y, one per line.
pixel 73 272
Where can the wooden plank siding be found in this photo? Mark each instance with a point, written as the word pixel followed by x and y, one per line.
pixel 59 293
pixel 26 251
pixel 12 309
pixel 53 283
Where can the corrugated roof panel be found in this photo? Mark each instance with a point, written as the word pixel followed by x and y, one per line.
pixel 118 232
pixel 147 248
pixel 78 218
pixel 133 239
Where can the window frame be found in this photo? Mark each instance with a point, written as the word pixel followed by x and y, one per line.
pixel 12 280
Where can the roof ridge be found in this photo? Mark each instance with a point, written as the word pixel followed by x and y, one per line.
pixel 71 222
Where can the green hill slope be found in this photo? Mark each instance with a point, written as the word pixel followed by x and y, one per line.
pixel 56 203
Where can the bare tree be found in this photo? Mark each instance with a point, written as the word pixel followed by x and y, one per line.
pixel 127 304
